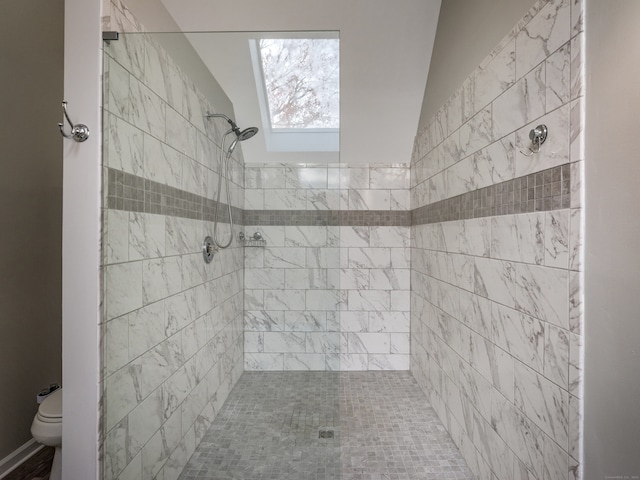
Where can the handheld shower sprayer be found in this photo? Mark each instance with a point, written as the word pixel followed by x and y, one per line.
pixel 225 155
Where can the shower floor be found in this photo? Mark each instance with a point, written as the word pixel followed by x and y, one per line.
pixel 270 429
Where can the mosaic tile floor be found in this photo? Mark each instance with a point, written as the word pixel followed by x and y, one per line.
pixel 383 429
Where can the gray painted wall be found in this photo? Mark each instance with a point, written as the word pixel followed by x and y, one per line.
pixel 612 237
pixel 31 80
pixel 467 32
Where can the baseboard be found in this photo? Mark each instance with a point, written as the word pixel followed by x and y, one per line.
pixel 18 457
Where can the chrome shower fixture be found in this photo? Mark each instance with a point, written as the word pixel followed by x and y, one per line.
pixel 224 156
pixel 242 135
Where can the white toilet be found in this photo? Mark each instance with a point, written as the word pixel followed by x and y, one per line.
pixel 47 429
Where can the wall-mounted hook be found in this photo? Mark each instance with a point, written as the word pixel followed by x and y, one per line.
pixel 79 132
pixel 537 136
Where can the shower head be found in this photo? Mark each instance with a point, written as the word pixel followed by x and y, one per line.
pixel 243 135
pixel 246 134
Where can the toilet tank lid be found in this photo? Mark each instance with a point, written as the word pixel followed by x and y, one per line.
pixel 51 407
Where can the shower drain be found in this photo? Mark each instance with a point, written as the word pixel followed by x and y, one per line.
pixel 325 434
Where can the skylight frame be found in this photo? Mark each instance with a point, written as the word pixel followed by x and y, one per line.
pixel 290 139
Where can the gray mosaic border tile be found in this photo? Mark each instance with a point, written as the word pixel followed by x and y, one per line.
pixel 132 193
pixel 328 217
pixel 541 191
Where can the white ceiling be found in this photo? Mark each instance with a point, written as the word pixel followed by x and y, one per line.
pixel 385 49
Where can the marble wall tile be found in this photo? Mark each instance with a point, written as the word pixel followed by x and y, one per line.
pixel 543 293
pixel 524 437
pixel 558 80
pixel 546 404
pixel 519 238
pixel 516 332
pixel 476 133
pixel 543 35
pixel 116 237
pixel 124 149
pixel 123 289
pixel 520 335
pixel 522 103
pixel 556 356
pixel 496 77
pixel 167 325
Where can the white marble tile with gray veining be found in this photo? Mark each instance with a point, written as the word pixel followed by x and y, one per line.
pixel 546 404
pixel 264 321
pixel 388 178
pixel 162 163
pixel 284 342
pixel 288 257
pixel 575 240
pixel 399 199
pixel 284 299
pixel 543 293
pixel 323 342
pixel 558 81
pixel 473 237
pixel 369 258
pixel 305 236
pixel 575 364
pixel 123 287
pixel 382 236
pixel 304 361
pixel 476 133
pixel 146 236
pixel 557 239
pixel 525 438
pixel 180 133
pixel 475 312
pixel 519 238
pixel 544 34
pixel 522 103
pixel 520 335
pixel 147 328
pixel 161 278
pixel 495 280
pixel 323 200
pixel 124 149
pixel 556 355
pixel 389 279
pixel 116 236
pixel 577 66
pixel 264 278
pixel 496 77
pixel 147 110
pixel 369 199
pixel 305 321
pixel 116 83
pixel 368 300
pixel 332 299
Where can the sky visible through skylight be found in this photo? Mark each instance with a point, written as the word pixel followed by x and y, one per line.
pixel 302 82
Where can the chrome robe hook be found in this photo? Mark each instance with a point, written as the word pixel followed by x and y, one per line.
pixel 537 136
pixel 79 132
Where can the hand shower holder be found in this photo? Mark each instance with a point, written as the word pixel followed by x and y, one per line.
pixel 255 240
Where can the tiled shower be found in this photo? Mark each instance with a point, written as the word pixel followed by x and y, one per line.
pixel 461 264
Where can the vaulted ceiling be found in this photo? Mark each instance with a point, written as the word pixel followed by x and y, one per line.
pixel 385 47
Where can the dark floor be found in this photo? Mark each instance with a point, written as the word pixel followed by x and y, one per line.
pixel 273 423
pixel 37 466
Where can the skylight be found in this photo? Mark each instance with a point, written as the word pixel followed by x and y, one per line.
pixel 301 78
pixel 298 82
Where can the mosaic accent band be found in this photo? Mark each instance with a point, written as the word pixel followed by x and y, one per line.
pixel 136 194
pixel 541 191
pixel 538 192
